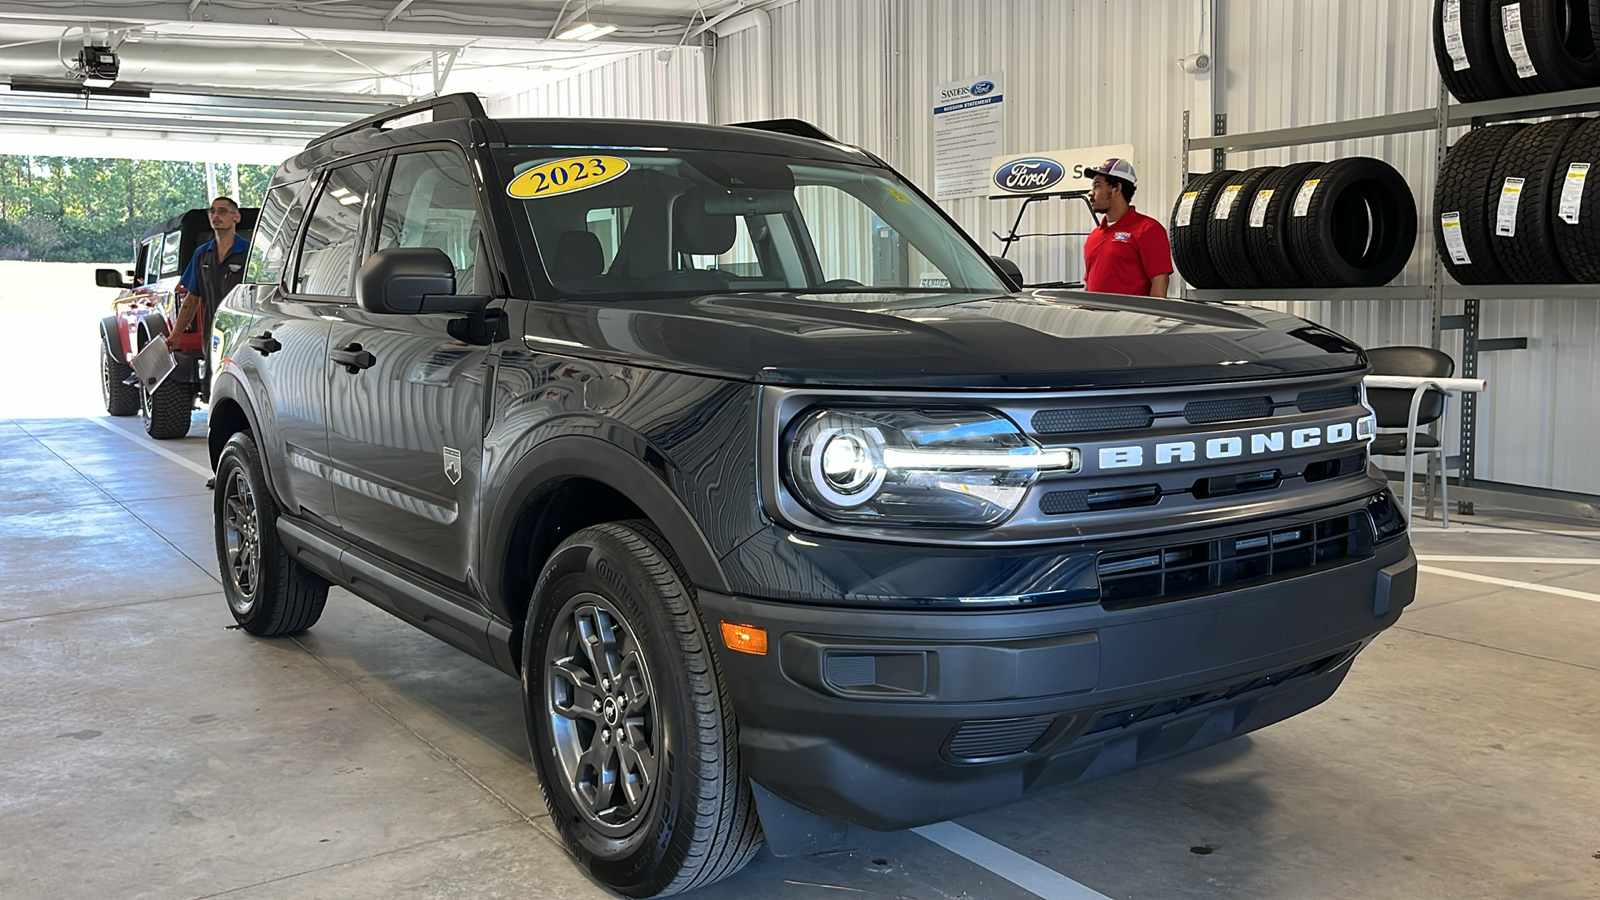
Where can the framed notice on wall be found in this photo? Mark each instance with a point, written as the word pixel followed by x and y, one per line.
pixel 967 127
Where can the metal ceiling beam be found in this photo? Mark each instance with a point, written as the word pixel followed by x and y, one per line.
pixel 256 117
pixel 444 21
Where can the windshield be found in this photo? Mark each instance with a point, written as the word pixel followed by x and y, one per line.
pixel 632 224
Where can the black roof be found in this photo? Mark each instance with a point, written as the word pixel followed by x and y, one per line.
pixel 461 117
pixel 195 221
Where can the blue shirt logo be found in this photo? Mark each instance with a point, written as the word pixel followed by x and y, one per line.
pixel 981 88
pixel 1029 176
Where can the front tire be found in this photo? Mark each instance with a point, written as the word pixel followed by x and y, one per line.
pixel 633 733
pixel 268 592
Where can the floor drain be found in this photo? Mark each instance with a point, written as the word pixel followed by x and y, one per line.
pixel 1203 849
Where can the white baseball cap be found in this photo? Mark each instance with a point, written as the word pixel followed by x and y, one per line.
pixel 1115 168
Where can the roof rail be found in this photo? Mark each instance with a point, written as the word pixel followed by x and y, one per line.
pixel 450 106
pixel 795 127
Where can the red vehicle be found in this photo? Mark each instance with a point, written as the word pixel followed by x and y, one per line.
pixel 146 310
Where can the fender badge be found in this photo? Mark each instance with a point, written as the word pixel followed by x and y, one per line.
pixel 452 464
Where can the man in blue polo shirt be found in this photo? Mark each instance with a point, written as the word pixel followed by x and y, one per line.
pixel 1128 252
pixel 212 273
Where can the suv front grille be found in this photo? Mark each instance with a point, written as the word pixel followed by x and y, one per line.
pixel 1210 412
pixel 1328 398
pixel 1158 574
pixel 1112 418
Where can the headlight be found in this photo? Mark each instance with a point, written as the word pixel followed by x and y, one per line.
pixel 915 467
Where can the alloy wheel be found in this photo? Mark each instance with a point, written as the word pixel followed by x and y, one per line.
pixel 603 715
pixel 241 536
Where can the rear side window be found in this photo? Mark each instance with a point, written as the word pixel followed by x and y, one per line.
pixel 326 265
pixel 150 260
pixel 275 230
pixel 171 261
pixel 431 204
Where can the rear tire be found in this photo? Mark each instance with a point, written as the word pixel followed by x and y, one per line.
pixel 633 733
pixel 168 412
pixel 268 592
pixel 120 399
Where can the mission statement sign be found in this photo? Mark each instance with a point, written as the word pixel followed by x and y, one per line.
pixel 968 125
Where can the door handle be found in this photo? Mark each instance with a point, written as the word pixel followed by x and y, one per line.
pixel 353 358
pixel 264 343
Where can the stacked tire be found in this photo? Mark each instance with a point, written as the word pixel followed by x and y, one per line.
pixel 1512 205
pixel 1347 223
pixel 1502 48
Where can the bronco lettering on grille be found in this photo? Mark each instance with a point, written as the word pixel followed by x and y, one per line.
pixel 1234 446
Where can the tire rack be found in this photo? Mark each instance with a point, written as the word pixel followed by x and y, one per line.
pixel 1439 287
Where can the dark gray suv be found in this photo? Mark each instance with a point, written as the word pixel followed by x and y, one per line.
pixel 789 511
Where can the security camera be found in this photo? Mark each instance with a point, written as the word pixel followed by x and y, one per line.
pixel 1196 63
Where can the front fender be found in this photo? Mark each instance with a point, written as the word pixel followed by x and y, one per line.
pixel 111 338
pixel 638 473
pixel 229 392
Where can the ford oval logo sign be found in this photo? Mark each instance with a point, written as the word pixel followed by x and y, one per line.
pixel 981 88
pixel 1029 176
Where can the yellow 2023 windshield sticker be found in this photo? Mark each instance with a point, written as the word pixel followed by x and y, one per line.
pixel 563 176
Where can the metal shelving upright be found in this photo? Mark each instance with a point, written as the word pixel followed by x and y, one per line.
pixel 1439 119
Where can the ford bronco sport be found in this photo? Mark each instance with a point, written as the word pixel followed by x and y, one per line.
pixel 788 512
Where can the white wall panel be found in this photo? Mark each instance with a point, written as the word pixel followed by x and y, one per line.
pixel 636 86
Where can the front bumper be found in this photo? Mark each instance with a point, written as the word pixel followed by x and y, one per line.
pixel 893 719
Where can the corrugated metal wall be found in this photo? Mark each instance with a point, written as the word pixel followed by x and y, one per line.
pixel 1091 72
pixel 637 86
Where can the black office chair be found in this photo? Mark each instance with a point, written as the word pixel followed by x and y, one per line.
pixel 1411 410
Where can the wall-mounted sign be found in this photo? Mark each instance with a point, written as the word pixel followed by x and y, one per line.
pixel 1055 172
pixel 967 130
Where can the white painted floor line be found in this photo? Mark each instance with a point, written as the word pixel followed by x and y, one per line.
pixel 1507 582
pixel 149 444
pixel 1542 560
pixel 1007 863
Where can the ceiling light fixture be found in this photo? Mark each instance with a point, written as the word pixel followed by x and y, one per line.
pixel 586 31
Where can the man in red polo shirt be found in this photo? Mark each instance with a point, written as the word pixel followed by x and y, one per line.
pixel 1127 253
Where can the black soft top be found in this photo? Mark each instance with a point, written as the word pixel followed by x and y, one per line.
pixel 195 222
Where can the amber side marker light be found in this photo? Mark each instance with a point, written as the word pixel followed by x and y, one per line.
pixel 745 638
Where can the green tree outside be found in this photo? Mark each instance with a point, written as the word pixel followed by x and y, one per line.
pixel 81 209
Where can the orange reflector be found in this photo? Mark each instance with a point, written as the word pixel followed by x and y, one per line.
pixel 745 638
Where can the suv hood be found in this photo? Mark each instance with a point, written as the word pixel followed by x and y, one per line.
pixel 1037 341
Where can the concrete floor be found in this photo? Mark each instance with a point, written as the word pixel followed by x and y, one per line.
pixel 150 750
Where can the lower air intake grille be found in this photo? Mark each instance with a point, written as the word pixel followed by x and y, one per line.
pixel 1159 574
pixel 1328 398
pixel 1121 718
pixel 1113 418
pixel 991 738
pixel 1204 412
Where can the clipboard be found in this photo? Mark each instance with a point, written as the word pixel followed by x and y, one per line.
pixel 153 364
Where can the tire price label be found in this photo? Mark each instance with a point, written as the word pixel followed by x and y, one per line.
pixel 1226 201
pixel 1516 44
pixel 1302 200
pixel 1186 209
pixel 1572 193
pixel 1453 44
pixel 1450 224
pixel 1505 220
pixel 1258 209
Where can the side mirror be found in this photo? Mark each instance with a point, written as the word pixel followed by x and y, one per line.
pixel 1010 269
pixel 109 278
pixel 412 280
